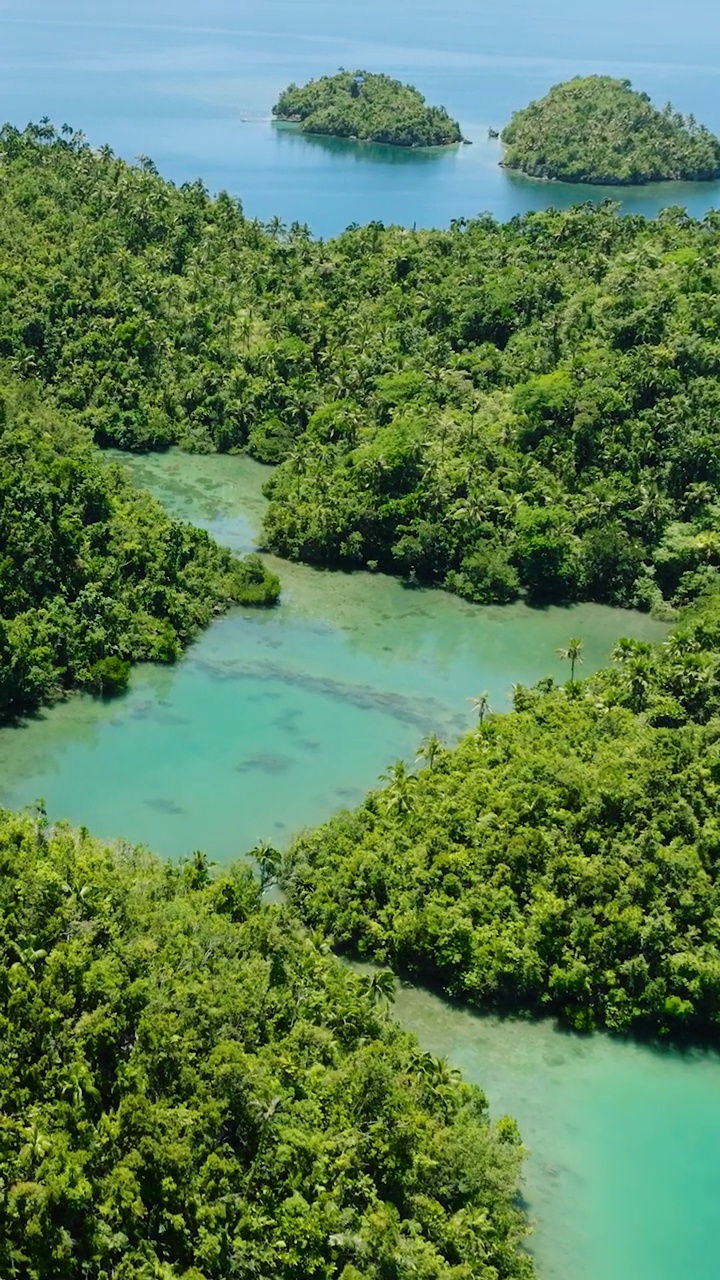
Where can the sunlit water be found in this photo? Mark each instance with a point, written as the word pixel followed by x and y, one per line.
pixel 276 719
pixel 622 1177
pixel 192 85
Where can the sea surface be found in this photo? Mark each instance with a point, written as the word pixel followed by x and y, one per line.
pixel 192 86
pixel 276 719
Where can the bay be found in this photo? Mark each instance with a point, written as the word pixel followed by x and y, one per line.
pixel 192 87
pixel 274 720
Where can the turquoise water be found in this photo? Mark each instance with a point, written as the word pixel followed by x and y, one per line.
pixel 192 86
pixel 275 720
pixel 622 1179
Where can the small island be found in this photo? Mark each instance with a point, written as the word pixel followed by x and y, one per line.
pixel 599 130
pixel 367 108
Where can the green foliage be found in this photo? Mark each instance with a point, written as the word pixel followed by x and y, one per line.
pixel 596 129
pixel 93 574
pixel 191 1088
pixel 563 858
pixel 527 408
pixel 367 107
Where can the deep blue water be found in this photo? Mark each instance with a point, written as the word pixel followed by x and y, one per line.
pixel 192 85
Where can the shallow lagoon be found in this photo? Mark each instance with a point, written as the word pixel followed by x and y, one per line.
pixel 622 1175
pixel 274 720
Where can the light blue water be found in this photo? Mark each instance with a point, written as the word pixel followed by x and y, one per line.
pixel 275 720
pixel 622 1177
pixel 192 86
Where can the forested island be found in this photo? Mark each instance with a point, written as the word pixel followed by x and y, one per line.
pixel 599 130
pixel 367 108
pixel 525 408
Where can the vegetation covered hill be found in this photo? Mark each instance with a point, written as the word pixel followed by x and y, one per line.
pixel 191 1088
pixel 93 574
pixel 527 407
pixel 368 107
pixel 596 129
pixel 564 858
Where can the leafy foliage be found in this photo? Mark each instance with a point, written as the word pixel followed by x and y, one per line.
pixel 370 108
pixel 93 574
pixel 192 1088
pixel 564 858
pixel 500 409
pixel 596 129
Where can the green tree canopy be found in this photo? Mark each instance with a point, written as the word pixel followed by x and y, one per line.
pixel 93 574
pixel 191 1088
pixel 368 107
pixel 562 859
pixel 596 129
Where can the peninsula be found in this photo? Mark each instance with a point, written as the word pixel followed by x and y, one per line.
pixel 367 108
pixel 600 130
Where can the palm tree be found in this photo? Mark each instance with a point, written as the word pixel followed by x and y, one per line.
pixel 430 749
pixel 79 1083
pixel 37 1144
pixel 440 1078
pixel 573 653
pixel 268 860
pixel 639 678
pixel 398 794
pixel 380 986
pixel 624 650
pixel 481 705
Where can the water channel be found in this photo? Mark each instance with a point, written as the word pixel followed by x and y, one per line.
pixel 275 720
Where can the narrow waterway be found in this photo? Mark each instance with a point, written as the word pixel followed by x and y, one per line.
pixel 273 721
pixel 622 1174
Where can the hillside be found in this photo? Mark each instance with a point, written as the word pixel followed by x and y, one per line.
pixel 562 859
pixel 368 108
pixel 191 1087
pixel 526 408
pixel 600 130
pixel 93 574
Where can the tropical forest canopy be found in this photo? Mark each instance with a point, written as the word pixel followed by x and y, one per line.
pixel 597 129
pixel 564 858
pixel 191 1087
pixel 528 407
pixel 93 574
pixel 369 108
